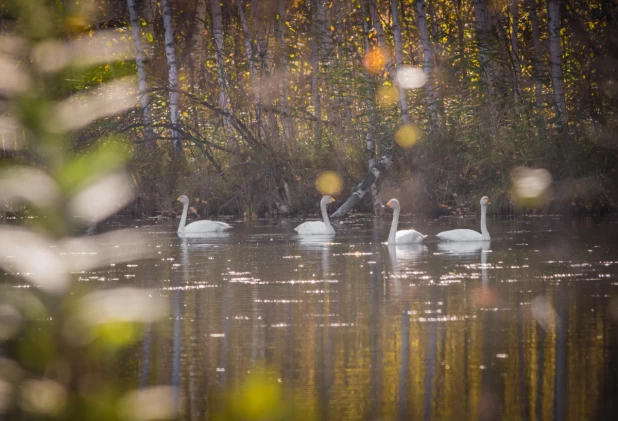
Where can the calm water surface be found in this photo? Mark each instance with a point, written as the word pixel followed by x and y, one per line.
pixel 518 328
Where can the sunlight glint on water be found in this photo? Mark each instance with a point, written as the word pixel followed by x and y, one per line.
pixel 359 327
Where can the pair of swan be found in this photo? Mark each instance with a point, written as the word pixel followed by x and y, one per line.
pixel 458 235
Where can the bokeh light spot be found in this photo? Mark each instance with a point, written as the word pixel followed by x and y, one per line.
pixel 411 77
pixel 330 183
pixel 530 186
pixel 387 96
pixel 375 60
pixel 407 136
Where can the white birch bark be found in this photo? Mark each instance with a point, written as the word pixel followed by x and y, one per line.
pixel 140 61
pixel 555 60
pixel 288 127
pixel 428 62
pixel 377 24
pixel 217 33
pixel 536 63
pixel 198 52
pixel 170 54
pixel 376 199
pixel 255 83
pixel 403 102
pixel 261 28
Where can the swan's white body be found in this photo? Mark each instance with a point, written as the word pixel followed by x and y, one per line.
pixel 469 235
pixel 198 227
pixel 403 236
pixel 318 227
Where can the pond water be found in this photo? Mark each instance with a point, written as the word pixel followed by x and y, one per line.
pixel 522 327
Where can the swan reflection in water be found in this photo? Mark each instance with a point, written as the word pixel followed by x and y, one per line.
pixel 467 249
pixel 403 254
pixel 316 243
pixel 216 235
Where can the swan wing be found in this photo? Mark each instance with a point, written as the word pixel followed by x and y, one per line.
pixel 409 237
pixel 206 226
pixel 460 235
pixel 313 228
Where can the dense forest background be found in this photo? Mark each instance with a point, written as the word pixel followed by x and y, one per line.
pixel 244 103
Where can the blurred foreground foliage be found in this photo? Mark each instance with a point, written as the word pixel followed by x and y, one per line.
pixel 60 339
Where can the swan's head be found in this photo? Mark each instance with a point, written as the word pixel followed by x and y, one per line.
pixel 393 203
pixel 183 199
pixel 485 201
pixel 326 200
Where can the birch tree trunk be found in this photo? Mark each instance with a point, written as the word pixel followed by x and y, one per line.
pixel 261 29
pixel 386 160
pixel 482 34
pixel 403 102
pixel 224 100
pixel 140 61
pixel 376 199
pixel 555 59
pixel 515 48
pixel 288 127
pixel 536 62
pixel 315 70
pixel 251 60
pixel 170 55
pixel 198 52
pixel 428 61
pixel 377 24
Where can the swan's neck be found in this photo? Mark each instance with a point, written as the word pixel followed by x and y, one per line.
pixel 484 231
pixel 183 220
pixel 393 233
pixel 329 227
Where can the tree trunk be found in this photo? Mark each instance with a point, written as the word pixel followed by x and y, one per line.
pixel 536 62
pixel 377 24
pixel 323 27
pixel 224 100
pixel 555 59
pixel 198 52
pixel 261 30
pixel 515 48
pixel 288 127
pixel 376 199
pixel 170 54
pixel 140 61
pixel 315 70
pixel 482 34
pixel 428 61
pixel 403 102
pixel 251 60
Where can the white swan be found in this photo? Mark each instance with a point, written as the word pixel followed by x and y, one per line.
pixel 403 236
pixel 198 227
pixel 469 235
pixel 318 227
